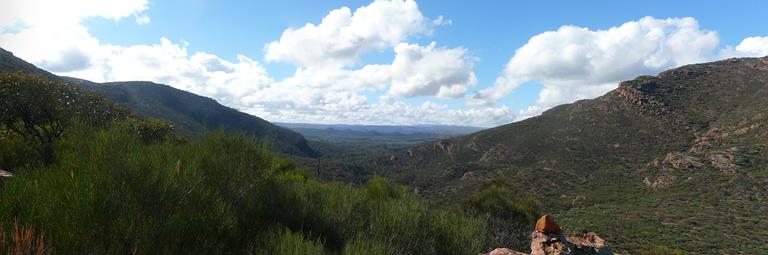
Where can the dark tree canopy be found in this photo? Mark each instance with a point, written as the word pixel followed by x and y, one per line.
pixel 41 109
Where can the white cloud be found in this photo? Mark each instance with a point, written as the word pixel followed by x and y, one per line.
pixel 430 71
pixel 52 35
pixel 142 20
pixel 324 54
pixel 390 111
pixel 749 47
pixel 575 63
pixel 342 36
pixel 66 13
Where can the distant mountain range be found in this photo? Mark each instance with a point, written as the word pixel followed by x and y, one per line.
pixel 391 136
pixel 679 159
pixel 422 129
pixel 190 113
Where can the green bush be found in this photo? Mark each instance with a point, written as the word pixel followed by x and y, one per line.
pixel 509 218
pixel 110 191
pixel 15 151
pixel 41 109
pixel 286 242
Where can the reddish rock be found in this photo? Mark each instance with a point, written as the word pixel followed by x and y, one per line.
pixel 546 224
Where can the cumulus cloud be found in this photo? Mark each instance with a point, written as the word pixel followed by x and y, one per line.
pixel 342 36
pixel 749 47
pixel 575 63
pixel 430 71
pixel 325 54
pixel 49 33
pixel 390 111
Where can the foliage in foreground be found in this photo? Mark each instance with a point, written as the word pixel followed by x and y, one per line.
pixel 41 109
pixel 110 191
pixel 508 217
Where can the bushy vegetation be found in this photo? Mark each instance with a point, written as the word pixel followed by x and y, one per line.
pixel 110 191
pixel 39 110
pixel 658 250
pixel 509 217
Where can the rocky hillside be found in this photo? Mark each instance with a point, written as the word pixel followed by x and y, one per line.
pixel 680 158
pixel 190 113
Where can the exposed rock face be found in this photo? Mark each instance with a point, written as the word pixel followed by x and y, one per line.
pixel 548 239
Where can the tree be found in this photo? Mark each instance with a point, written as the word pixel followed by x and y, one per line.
pixel 42 109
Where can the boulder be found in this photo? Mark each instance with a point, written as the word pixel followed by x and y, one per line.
pixel 546 224
pixel 548 239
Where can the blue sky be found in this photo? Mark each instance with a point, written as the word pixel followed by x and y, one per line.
pixel 479 38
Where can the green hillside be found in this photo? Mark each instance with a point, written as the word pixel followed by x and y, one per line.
pixel 192 115
pixel 679 159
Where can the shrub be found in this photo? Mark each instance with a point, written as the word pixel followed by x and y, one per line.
pixel 509 218
pixel 658 250
pixel 41 110
pixel 109 191
pixel 285 242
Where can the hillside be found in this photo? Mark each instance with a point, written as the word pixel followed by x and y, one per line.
pixel 192 114
pixel 679 159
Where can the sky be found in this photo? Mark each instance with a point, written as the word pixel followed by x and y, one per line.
pixel 478 63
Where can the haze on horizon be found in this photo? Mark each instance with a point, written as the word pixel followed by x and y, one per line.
pixel 381 62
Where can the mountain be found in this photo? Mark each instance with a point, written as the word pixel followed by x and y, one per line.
pixel 191 114
pixel 678 159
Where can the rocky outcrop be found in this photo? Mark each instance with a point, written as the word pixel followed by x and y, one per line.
pixel 505 251
pixel 639 94
pixel 682 161
pixel 548 239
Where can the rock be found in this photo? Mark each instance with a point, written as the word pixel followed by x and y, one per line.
pixel 468 175
pixel 682 161
pixel 547 244
pixel 589 243
pixel 505 251
pixel 548 239
pixel 546 224
pixel 724 162
pixel 659 182
pixel 5 174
